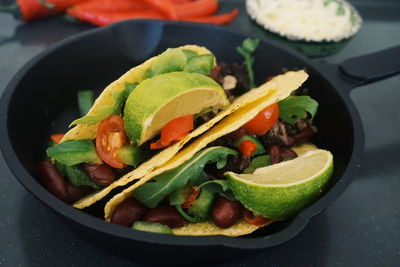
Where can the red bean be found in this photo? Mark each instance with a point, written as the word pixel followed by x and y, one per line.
pixel 303 136
pixel 275 154
pixel 77 192
pixel 165 214
pixel 287 153
pixel 226 212
pixel 101 174
pixel 129 211
pixel 290 141
pixel 52 180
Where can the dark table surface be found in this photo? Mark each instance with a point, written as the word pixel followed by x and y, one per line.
pixel 362 228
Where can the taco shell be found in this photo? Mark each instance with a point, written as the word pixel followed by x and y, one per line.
pixel 137 74
pixel 242 110
pixel 209 228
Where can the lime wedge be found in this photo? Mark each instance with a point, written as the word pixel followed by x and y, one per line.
pixel 158 100
pixel 281 190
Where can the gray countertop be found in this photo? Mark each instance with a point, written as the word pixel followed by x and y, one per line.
pixel 362 228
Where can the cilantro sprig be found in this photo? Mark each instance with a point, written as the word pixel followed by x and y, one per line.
pixel 246 50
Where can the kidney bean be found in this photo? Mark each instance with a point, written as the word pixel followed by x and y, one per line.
pixel 129 211
pixel 275 153
pixel 287 153
pixel 165 214
pixel 101 174
pixel 303 136
pixel 290 141
pixel 77 192
pixel 52 180
pixel 226 212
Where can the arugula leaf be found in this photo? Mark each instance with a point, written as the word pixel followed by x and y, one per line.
pixel 297 106
pixel 106 111
pixel 258 162
pixel 248 47
pixel 221 187
pixel 152 193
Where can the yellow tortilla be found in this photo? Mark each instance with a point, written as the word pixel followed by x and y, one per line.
pixel 242 110
pixel 136 74
pixel 209 228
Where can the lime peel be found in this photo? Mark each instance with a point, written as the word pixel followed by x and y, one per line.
pixel 268 192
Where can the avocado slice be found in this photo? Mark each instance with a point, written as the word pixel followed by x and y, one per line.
pixel 74 152
pixel 152 227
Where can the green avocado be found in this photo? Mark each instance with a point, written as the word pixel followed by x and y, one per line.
pixel 74 152
pixel 152 227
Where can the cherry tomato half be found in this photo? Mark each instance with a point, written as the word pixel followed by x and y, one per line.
pixel 110 137
pixel 263 121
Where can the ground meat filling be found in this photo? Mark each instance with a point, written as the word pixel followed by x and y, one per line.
pixel 234 164
pixel 232 77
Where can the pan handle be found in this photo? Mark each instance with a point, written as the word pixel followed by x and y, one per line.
pixel 371 67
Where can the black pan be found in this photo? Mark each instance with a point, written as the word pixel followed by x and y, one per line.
pixel 41 99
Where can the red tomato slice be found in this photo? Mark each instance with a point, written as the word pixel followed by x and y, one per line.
pixel 174 130
pixel 263 121
pixel 56 138
pixel 110 137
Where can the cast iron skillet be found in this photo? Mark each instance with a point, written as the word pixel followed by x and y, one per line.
pixel 41 99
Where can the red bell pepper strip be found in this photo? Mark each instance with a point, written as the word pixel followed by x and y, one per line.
pixel 103 18
pixel 56 138
pixel 174 130
pixel 219 19
pixel 199 8
pixel 247 147
pixel 111 5
pixel 249 217
pixel 166 7
pixel 35 9
pixel 191 198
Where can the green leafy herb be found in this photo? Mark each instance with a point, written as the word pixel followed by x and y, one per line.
pixel 74 152
pixel 106 111
pixel 85 101
pixel 78 177
pixel 151 193
pixel 340 7
pixel 297 106
pixel 353 18
pixel 246 50
pixel 258 162
pixel 221 187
